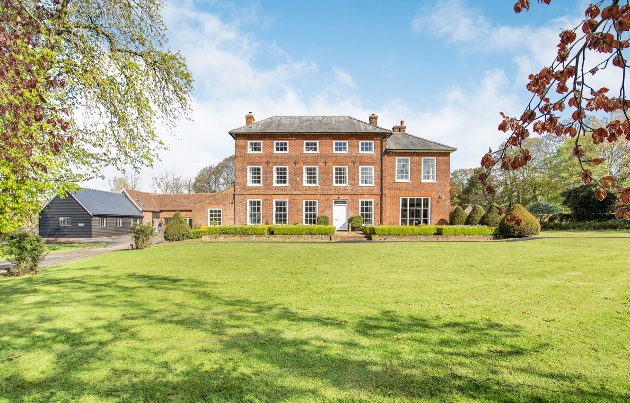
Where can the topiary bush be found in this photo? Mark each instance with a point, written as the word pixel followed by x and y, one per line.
pixel 25 251
pixel 177 229
pixel 356 223
pixel 323 220
pixel 475 215
pixel 542 208
pixel 492 216
pixel 519 222
pixel 458 216
pixel 142 235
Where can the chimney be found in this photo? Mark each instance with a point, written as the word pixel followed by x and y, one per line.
pixel 249 119
pixel 374 120
pixel 401 128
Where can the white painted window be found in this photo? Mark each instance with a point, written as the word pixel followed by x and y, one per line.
pixel 254 212
pixel 254 176
pixel 280 211
pixel 311 146
pixel 366 147
pixel 402 169
pixel 310 176
pixel 366 210
pixel 415 210
pixel 254 147
pixel 366 176
pixel 429 169
pixel 215 216
pixel 310 212
pixel 280 176
pixel 119 222
pixel 103 221
pixel 281 147
pixel 188 221
pixel 340 176
pixel 340 147
pixel 65 221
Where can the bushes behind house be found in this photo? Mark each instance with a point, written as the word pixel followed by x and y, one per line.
pixel 142 235
pixel 25 251
pixel 492 218
pixel 177 229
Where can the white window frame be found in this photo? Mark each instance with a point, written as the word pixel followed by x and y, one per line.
pixel 408 175
pixel 103 220
pixel 119 222
pixel 249 176
pixel 361 143
pixel 275 176
pixel 345 169
pixel 314 221
pixel 275 146
pixel 316 176
pixel 371 168
pixel 212 218
pixel 361 211
pixel 316 145
pixel 249 211
pixel 188 221
pixel 429 176
pixel 345 151
pixel 250 144
pixel 423 219
pixel 65 221
pixel 275 212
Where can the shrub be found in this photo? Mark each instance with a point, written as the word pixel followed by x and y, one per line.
pixel 402 230
pixel 518 222
pixel 303 230
pixel 542 208
pixel 368 229
pixel 232 230
pixel 177 229
pixel 356 223
pixel 585 206
pixel 458 216
pixel 492 216
pixel 142 235
pixel 467 231
pixel 617 224
pixel 323 220
pixel 25 251
pixel 475 215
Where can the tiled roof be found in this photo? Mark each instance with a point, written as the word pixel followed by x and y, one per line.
pixel 172 202
pixel 310 124
pixel 405 141
pixel 99 202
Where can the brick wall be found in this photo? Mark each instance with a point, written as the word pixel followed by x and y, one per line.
pixel 223 201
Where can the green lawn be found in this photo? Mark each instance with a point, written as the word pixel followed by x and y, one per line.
pixel 546 320
pixel 65 247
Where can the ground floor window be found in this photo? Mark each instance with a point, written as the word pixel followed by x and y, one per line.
pixel 366 210
pixel 103 221
pixel 254 212
pixel 215 216
pixel 310 212
pixel 188 221
pixel 65 221
pixel 415 210
pixel 280 212
pixel 119 222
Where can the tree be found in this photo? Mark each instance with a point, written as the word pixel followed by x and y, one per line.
pixel 215 178
pixel 585 206
pixel 564 84
pixel 540 209
pixel 83 85
pixel 171 182
pixel 128 181
pixel 177 229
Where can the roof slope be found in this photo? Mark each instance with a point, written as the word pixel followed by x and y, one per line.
pixel 310 124
pixel 164 201
pixel 406 141
pixel 99 202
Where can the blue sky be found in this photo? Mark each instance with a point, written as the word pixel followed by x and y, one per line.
pixel 447 68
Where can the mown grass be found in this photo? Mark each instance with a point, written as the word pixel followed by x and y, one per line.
pixel 533 321
pixel 65 247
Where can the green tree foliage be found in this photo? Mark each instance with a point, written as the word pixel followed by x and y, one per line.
pixel 215 178
pixel 475 215
pixel 323 220
pixel 83 85
pixel 542 208
pixel 492 217
pixel 356 223
pixel 177 229
pixel 142 235
pixel 585 206
pixel 25 251
pixel 518 222
pixel 458 216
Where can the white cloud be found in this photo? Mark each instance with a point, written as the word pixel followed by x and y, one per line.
pixel 343 78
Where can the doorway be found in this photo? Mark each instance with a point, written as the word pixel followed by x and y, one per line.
pixel 340 215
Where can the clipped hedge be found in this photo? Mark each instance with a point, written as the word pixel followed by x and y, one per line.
pixel 323 220
pixel 232 230
pixel 458 216
pixel 492 218
pixel 303 230
pixel 467 231
pixel 399 230
pixel 586 225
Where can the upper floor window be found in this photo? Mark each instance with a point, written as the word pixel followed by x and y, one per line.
pixel 366 147
pixel 281 147
pixel 311 146
pixel 65 221
pixel 341 147
pixel 310 176
pixel 366 176
pixel 428 169
pixel 402 169
pixel 254 146
pixel 280 176
pixel 340 176
pixel 254 176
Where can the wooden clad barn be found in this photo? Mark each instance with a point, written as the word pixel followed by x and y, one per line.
pixel 88 214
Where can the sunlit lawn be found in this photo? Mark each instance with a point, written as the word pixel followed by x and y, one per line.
pixel 65 247
pixel 531 321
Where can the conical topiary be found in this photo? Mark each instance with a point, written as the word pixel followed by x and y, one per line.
pixel 492 216
pixel 475 215
pixel 458 216
pixel 519 222
pixel 177 229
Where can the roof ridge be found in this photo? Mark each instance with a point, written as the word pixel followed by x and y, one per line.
pixel 422 138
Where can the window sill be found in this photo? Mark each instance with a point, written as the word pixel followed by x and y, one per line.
pixel 340 152
pixel 310 185
pixel 340 185
pixel 254 184
pixel 278 184
pixel 428 181
pixel 254 152
pixel 366 152
pixel 372 185
pixel 280 152
pixel 402 181
pixel 311 152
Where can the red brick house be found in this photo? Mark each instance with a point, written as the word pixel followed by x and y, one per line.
pixel 291 169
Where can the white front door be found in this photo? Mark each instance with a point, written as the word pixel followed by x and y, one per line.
pixel 340 214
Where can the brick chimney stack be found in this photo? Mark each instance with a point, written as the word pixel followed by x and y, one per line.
pixel 401 128
pixel 249 119
pixel 374 120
